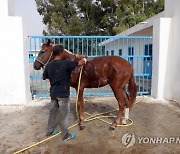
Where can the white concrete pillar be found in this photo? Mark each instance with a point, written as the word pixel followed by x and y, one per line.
pixel 14 64
pixel 172 84
pixel 161 37
pixel 6 8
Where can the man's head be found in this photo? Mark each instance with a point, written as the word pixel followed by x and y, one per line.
pixel 58 51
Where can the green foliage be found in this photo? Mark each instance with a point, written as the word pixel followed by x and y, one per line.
pixel 95 17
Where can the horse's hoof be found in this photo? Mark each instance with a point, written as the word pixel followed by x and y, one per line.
pixel 81 127
pixel 124 122
pixel 111 128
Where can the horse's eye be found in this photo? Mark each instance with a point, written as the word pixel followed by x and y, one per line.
pixel 42 51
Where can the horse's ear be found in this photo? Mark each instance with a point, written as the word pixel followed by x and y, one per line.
pixel 48 42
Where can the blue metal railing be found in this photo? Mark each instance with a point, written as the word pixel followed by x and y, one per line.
pixel 136 49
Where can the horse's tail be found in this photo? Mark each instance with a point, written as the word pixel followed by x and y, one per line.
pixel 132 90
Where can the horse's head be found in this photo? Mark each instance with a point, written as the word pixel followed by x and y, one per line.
pixel 44 55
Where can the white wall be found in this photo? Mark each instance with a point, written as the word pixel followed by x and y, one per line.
pixel 161 38
pixel 172 84
pixel 28 10
pixel 166 51
pixel 7 7
pixel 14 64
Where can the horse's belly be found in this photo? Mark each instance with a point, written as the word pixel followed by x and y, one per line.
pixel 96 84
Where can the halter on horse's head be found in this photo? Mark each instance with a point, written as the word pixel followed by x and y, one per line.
pixel 44 56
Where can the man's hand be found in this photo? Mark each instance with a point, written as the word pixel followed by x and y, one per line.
pixel 43 78
pixel 82 61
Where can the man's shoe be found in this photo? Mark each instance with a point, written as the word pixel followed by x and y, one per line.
pixel 69 136
pixel 54 132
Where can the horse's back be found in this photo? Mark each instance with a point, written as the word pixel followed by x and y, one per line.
pixel 99 71
pixel 115 62
pixel 105 59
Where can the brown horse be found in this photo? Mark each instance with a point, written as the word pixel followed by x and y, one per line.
pixel 97 72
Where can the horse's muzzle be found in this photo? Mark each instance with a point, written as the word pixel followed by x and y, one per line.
pixel 37 65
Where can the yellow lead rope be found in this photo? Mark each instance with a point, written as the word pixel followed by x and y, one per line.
pixel 92 117
pixel 79 84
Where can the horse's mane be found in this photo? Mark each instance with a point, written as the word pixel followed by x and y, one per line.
pixel 69 55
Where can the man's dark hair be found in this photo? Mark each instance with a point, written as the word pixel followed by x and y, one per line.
pixel 57 50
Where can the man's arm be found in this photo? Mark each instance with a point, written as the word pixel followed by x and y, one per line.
pixel 71 65
pixel 45 73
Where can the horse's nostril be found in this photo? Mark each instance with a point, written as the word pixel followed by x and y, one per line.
pixel 35 67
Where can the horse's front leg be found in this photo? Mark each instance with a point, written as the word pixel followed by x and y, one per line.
pixel 80 107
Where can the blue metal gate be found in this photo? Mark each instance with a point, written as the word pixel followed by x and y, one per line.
pixel 135 49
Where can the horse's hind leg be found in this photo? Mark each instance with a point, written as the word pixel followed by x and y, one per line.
pixel 121 102
pixel 127 106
